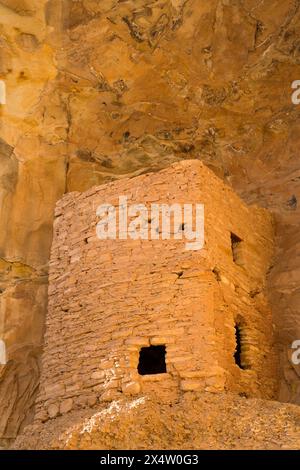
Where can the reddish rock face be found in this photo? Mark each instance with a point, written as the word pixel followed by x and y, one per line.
pixel 101 90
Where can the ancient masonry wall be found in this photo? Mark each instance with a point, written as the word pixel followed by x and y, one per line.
pixel 110 298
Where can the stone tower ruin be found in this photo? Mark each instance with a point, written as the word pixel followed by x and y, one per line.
pixel 134 316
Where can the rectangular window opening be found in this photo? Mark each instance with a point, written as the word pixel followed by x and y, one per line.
pixel 236 248
pixel 239 353
pixel 238 347
pixel 152 360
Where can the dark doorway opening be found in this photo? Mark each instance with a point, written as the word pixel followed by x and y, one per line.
pixel 236 248
pixel 238 348
pixel 152 360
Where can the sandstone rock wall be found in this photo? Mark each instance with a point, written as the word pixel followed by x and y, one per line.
pixel 32 178
pixel 101 90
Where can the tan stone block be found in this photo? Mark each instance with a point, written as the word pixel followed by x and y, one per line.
pixel 159 340
pixel 192 374
pixel 134 375
pixel 138 341
pixel 97 375
pixel 174 332
pixel 54 390
pixel 72 388
pixel 155 377
pixel 41 415
pixel 107 364
pixel 81 400
pixel 53 410
pixel 92 400
pixel 131 388
pixel 108 395
pixel 66 406
pixel 190 385
pixel 178 358
pixel 110 384
pixel 122 333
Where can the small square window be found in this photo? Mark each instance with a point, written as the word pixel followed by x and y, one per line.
pixel 152 360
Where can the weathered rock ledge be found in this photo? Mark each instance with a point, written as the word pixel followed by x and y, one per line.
pixel 196 421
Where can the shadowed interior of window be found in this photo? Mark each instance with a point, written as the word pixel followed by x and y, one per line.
pixel 152 360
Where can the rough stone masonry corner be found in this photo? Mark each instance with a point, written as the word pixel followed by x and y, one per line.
pixel 149 317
